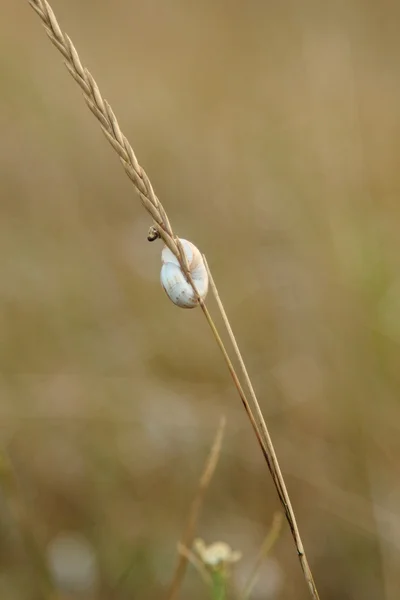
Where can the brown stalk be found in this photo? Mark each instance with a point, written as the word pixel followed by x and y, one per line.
pixel 110 127
pixel 265 549
pixel 190 529
pixel 272 460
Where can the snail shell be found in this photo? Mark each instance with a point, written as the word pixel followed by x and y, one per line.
pixel 173 280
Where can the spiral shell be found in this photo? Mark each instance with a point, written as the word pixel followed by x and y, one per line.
pixel 173 280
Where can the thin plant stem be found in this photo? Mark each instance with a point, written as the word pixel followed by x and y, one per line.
pixel 103 112
pixel 204 482
pixel 266 547
pixel 219 584
pixel 267 442
pixel 233 373
pixel 196 562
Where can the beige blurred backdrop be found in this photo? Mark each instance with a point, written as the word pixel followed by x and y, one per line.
pixel 270 131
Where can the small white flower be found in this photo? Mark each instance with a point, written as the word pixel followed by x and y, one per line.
pixel 216 554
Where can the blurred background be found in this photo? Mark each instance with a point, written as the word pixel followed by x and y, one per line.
pixel 270 131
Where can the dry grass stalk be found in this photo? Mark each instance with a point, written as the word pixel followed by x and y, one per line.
pixel 188 535
pixel 110 127
pixel 196 562
pixel 265 549
pixel 269 453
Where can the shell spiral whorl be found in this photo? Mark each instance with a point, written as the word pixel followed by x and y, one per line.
pixel 174 282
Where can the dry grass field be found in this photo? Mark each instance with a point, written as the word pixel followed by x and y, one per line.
pixel 271 133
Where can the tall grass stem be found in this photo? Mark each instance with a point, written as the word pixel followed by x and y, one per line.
pixel 188 535
pixel 111 129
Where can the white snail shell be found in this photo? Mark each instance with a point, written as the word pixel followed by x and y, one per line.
pixel 173 280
